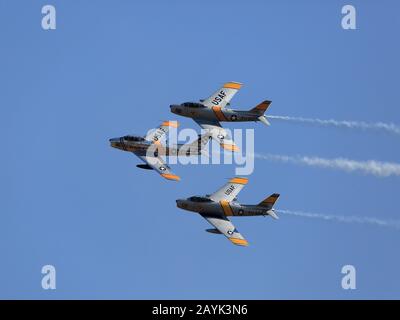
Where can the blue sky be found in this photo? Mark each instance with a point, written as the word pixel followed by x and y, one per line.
pixel 113 68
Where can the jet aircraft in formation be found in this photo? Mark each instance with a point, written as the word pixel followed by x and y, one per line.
pixel 208 113
pixel 217 207
pixel 150 149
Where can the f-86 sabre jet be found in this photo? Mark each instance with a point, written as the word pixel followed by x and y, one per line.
pixel 150 149
pixel 210 112
pixel 217 207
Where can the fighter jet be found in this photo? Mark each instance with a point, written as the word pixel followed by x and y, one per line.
pixel 150 149
pixel 210 112
pixel 217 207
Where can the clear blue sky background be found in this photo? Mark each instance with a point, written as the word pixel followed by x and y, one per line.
pixel 113 68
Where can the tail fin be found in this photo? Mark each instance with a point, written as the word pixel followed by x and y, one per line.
pixel 270 201
pixel 261 108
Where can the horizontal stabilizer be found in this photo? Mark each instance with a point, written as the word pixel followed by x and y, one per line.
pixel 264 120
pixel 272 214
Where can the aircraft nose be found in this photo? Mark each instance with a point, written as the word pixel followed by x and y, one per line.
pixel 174 108
pixel 179 203
pixel 114 142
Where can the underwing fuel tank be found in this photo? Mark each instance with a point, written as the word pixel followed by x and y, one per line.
pixel 213 231
pixel 144 166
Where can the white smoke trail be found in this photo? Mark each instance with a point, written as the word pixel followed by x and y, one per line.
pixel 381 126
pixel 346 219
pixel 373 167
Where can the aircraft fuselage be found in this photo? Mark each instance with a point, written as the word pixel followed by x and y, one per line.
pixel 203 205
pixel 143 147
pixel 197 110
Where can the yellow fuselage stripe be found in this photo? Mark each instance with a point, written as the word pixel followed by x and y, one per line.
pixel 219 114
pixel 226 208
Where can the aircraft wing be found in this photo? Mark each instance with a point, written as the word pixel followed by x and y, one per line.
pixel 218 133
pixel 156 134
pixel 158 164
pixel 230 190
pixel 222 96
pixel 195 147
pixel 226 227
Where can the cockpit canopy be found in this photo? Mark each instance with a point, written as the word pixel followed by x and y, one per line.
pixel 199 199
pixel 132 138
pixel 193 105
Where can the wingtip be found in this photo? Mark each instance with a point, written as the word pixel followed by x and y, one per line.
pixel 239 180
pixel 170 176
pixel 230 147
pixel 233 85
pixel 174 124
pixel 239 242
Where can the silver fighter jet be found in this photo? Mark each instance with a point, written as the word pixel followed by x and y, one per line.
pixel 217 207
pixel 210 112
pixel 150 149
